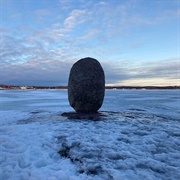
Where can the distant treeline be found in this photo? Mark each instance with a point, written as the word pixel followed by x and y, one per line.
pixel 143 87
pixel 107 87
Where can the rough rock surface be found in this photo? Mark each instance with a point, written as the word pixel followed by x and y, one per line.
pixel 86 85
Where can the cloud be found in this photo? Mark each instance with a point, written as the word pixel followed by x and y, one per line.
pixel 37 72
pixel 115 73
pixel 51 67
pixel 45 71
pixel 90 35
pixel 168 68
pixel 34 59
pixel 76 17
pixel 161 72
pixel 101 30
pixel 46 56
pixel 122 18
pixel 27 61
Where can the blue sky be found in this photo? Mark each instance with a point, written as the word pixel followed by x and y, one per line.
pixel 136 41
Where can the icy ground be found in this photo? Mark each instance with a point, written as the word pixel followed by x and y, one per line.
pixel 137 137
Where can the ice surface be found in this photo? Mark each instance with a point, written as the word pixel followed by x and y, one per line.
pixel 138 137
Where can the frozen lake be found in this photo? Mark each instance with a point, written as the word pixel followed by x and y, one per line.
pixel 138 137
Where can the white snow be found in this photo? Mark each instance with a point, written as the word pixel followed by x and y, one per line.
pixel 138 137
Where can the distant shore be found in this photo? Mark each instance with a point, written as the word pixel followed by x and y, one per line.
pixel 7 87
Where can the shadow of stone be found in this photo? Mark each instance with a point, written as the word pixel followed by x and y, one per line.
pixel 95 116
pixel 102 115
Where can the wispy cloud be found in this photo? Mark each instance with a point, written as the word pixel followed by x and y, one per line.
pixel 76 17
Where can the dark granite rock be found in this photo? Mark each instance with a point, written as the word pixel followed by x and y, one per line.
pixel 86 85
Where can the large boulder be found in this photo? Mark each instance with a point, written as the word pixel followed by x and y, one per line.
pixel 86 85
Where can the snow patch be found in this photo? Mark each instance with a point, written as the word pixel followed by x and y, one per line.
pixel 134 138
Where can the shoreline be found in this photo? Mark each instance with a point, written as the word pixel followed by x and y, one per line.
pixel 125 88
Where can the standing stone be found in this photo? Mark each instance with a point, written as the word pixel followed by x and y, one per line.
pixel 86 85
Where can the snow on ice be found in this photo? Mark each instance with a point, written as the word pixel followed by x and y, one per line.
pixel 137 137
